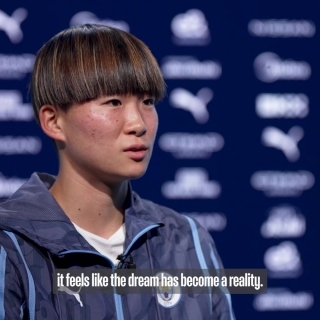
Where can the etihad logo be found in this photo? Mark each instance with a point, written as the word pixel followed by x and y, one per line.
pixel 12 107
pixel 212 221
pixel 282 299
pixel 269 67
pixel 16 67
pixel 282 183
pixel 191 183
pixel 85 17
pixel 282 28
pixel 283 261
pixel 9 185
pixel 11 25
pixel 190 28
pixel 286 105
pixel 186 67
pixel 287 143
pixel 191 145
pixel 19 145
pixel 284 222
pixel 195 104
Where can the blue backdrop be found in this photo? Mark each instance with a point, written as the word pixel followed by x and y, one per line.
pixel 237 144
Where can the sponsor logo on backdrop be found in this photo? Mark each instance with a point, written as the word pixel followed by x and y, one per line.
pixel 186 67
pixel 282 183
pixel 191 183
pixel 282 28
pixel 282 299
pixel 84 17
pixel 9 185
pixel 195 104
pixel 269 67
pixel 190 28
pixel 287 143
pixel 11 25
pixel 16 66
pixel 287 105
pixel 19 145
pixel 283 261
pixel 284 221
pixel 191 145
pixel 212 221
pixel 12 107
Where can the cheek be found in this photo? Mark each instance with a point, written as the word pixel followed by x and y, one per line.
pixel 152 123
pixel 86 131
pixel 96 127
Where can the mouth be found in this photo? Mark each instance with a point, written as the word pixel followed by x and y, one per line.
pixel 136 152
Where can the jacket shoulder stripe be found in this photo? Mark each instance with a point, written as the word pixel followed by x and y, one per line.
pixel 3 260
pixel 201 259
pixel 214 259
pixel 32 298
pixel 197 244
pixel 225 290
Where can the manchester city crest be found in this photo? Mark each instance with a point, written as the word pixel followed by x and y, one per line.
pixel 168 290
pixel 165 292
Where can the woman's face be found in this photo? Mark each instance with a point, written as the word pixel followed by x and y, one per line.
pixel 110 138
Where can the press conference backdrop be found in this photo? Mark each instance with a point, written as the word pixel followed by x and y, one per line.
pixel 237 146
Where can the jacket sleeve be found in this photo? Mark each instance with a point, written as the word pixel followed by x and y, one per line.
pixel 12 300
pixel 209 259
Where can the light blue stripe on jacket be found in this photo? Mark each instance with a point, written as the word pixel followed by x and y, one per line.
pixel 3 261
pixel 32 293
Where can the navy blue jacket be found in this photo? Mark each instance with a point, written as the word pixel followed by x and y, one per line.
pixel 37 237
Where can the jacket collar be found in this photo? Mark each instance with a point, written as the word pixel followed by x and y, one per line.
pixel 33 212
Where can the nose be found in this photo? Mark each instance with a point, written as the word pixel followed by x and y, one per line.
pixel 134 122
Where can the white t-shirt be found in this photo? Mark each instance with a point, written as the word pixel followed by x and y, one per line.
pixel 111 247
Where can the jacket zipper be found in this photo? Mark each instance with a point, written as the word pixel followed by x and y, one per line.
pixel 117 297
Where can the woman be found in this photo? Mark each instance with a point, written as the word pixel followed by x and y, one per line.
pixel 94 91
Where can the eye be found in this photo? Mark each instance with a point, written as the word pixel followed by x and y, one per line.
pixel 149 102
pixel 113 102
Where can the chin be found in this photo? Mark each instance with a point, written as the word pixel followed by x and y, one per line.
pixel 136 173
pixel 136 176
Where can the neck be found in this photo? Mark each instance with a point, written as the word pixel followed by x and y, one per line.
pixel 92 205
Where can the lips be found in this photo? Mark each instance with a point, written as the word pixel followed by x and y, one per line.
pixel 136 152
pixel 136 147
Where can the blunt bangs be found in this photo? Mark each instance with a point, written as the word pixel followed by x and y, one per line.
pixel 91 61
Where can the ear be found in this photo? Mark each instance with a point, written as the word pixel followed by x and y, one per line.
pixel 50 118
